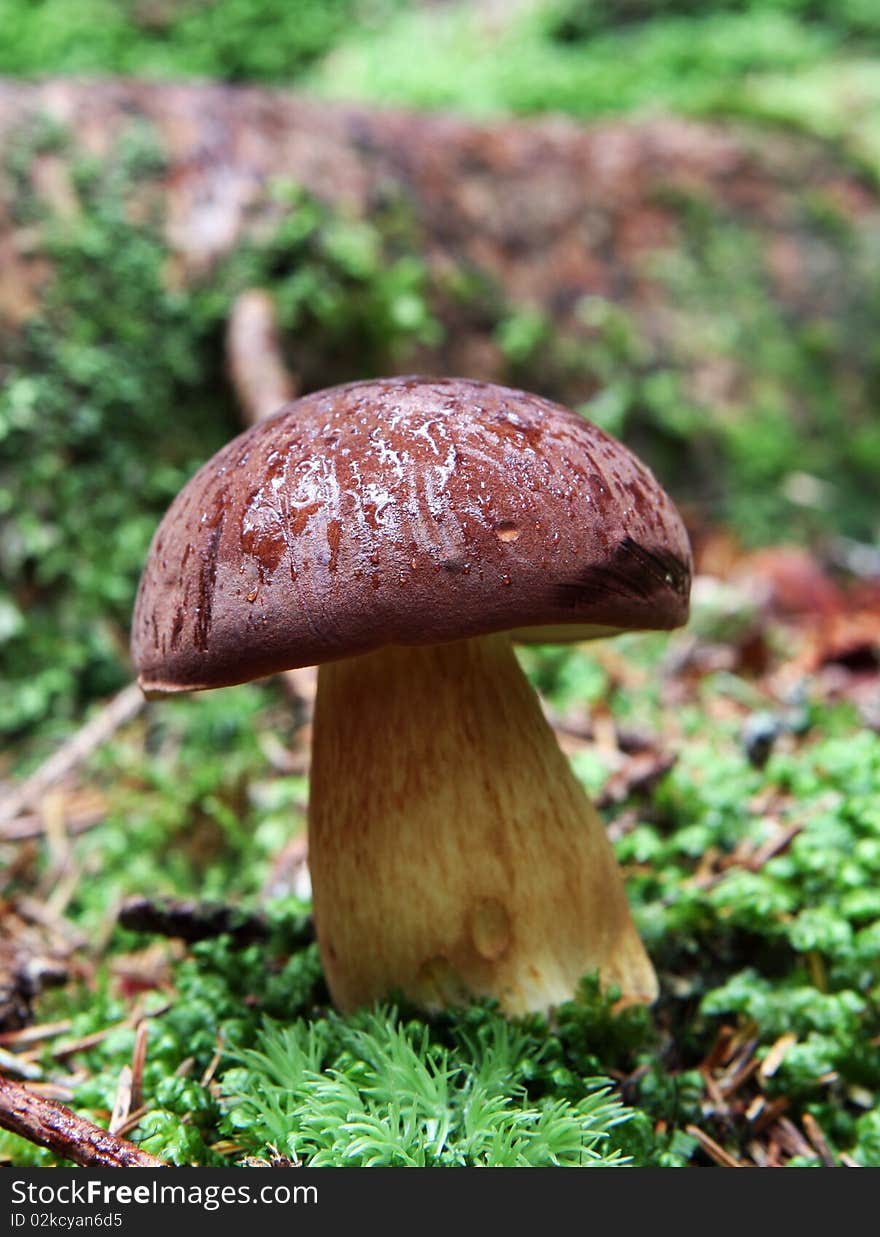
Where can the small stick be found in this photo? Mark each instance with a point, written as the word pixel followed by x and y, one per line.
pixel 122 1103
pixel 132 1121
pixel 51 1091
pixel 262 381
pixel 67 938
pixel 733 1081
pixel 770 1114
pixel 34 1034
pixel 51 1125
pixel 22 1066
pixel 263 385
pixel 190 920
pixel 817 1138
pixel 720 1052
pixel 791 1139
pixel 138 1061
pixel 713 1149
pixel 212 1064
pixel 122 708
pixel 629 741
pixel 777 1054
pixel 637 773
pixel 25 828
pixel 68 1048
pixel 773 846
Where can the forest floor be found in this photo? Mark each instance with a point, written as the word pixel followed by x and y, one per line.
pixel 158 969
pixel 158 972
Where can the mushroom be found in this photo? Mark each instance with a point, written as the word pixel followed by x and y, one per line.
pixel 402 533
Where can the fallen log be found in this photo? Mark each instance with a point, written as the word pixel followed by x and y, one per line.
pixel 547 211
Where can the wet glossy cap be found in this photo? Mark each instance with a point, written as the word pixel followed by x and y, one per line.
pixel 404 511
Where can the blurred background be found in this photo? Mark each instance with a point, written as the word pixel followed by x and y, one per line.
pixel 706 287
pixel 665 213
pixel 709 290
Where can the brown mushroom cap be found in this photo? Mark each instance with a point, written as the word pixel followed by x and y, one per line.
pixel 403 511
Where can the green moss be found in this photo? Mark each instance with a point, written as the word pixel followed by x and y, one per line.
pixel 785 950
pixel 114 393
pixel 379 1090
pixel 273 40
pixel 679 63
pixel 788 438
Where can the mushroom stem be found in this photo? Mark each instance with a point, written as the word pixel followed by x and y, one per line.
pixel 452 850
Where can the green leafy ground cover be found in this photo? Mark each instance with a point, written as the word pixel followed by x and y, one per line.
pixel 272 40
pixel 779 957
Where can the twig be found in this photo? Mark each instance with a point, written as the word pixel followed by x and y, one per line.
pixel 741 1068
pixel 745 857
pixel 191 921
pixel 630 742
pixel 720 1052
pixel 211 1070
pixel 713 1149
pixel 25 828
pixel 138 1061
pixel 777 1054
pixel 66 937
pixel 122 1103
pixel 20 1065
pixel 34 1034
pixel 123 707
pixel 770 1114
pixel 51 1125
pixel 69 1048
pixel 791 1139
pixel 773 846
pixel 51 1091
pixel 132 1121
pixel 817 1138
pixel 130 1086
pixel 638 773
pixel 23 976
pixel 262 381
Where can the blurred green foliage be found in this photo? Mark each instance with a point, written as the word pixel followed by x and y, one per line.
pixel 809 65
pixel 763 417
pixel 691 65
pixel 227 39
pixel 114 393
pixel 759 416
pixel 574 20
pixel 805 63
pixel 92 443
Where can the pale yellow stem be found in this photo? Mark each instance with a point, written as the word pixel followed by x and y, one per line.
pixel 452 850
